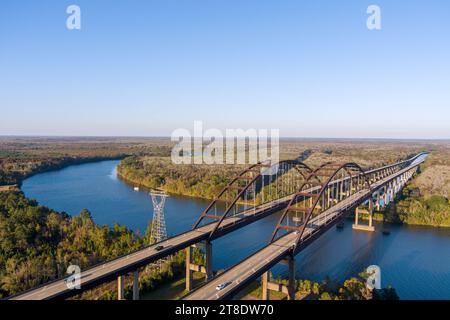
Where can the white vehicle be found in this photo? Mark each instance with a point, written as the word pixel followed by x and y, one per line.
pixel 222 286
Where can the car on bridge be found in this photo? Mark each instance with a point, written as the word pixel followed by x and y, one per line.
pixel 222 286
pixel 159 248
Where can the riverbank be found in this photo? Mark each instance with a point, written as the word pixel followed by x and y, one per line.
pixel 351 289
pixel 340 253
pixel 38 243
pixel 15 177
pixel 66 162
pixel 408 208
pixel 23 157
pixel 195 181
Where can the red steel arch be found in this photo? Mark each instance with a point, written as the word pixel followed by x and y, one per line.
pixel 330 171
pixel 251 176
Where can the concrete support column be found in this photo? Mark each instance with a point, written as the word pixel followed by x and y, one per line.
pixel 364 227
pixel 333 194
pixel 391 191
pixel 208 260
pixel 189 272
pixel 120 288
pixel 291 282
pixel 385 196
pixel 265 286
pixel 136 285
pixel 378 200
pixel 370 212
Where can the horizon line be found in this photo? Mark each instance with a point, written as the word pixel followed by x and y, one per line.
pixel 169 137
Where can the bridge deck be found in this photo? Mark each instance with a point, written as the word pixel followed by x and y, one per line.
pixel 128 263
pixel 254 266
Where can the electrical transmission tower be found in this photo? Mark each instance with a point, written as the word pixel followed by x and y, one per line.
pixel 158 230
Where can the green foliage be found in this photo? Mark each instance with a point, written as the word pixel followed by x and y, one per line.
pixel 202 181
pixel 352 289
pixel 37 244
pixel 325 296
pixel 433 210
pixel 22 157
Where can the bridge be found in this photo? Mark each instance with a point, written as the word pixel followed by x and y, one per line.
pixel 312 201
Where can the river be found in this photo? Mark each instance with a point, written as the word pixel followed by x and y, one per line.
pixel 413 260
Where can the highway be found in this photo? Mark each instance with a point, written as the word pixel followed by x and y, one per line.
pixel 128 263
pixel 240 275
pixel 114 268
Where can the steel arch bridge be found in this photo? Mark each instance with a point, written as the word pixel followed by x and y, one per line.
pixel 259 185
pixel 327 194
pixel 311 201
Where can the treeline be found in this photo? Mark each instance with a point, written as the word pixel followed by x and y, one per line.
pixel 354 288
pixel 415 209
pixel 14 170
pixel 22 157
pixel 37 244
pixel 203 181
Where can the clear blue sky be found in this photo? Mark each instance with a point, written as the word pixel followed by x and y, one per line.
pixel 309 68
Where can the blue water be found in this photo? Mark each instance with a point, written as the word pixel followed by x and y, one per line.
pixel 414 260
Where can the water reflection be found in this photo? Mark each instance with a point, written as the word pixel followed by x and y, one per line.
pixel 415 260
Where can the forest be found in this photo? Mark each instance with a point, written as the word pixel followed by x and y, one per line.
pixel 37 243
pixel 21 157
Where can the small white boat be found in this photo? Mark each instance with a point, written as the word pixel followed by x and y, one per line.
pixel 136 188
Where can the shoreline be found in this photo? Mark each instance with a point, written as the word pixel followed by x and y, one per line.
pixel 64 163
pixel 378 216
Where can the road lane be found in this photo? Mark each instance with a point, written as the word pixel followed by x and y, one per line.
pixel 122 265
pixel 255 265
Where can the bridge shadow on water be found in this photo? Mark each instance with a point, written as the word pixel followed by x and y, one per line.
pixel 414 260
pixel 340 254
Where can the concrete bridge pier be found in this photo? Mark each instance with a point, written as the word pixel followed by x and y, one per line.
pixel 265 286
pixel 208 260
pixel 136 285
pixel 371 214
pixel 363 227
pixel 288 289
pixel 189 272
pixel 121 288
pixel 378 200
pixel 207 269
pixel 385 196
pixel 291 280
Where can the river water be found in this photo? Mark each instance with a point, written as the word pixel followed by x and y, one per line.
pixel 414 260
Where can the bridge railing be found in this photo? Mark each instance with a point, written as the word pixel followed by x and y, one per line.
pixel 260 184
